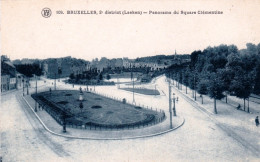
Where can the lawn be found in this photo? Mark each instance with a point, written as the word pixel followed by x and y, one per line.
pixel 97 110
pixel 144 91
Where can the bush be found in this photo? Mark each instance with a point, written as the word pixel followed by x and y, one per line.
pixel 96 107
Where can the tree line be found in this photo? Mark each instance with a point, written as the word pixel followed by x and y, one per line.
pixel 220 71
pixel 29 69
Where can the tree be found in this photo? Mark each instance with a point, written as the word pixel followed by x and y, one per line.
pixel 108 77
pixel 227 75
pixel 203 88
pixel 29 69
pixel 88 77
pixel 257 80
pixel 186 78
pixel 193 79
pixel 194 58
pixel 215 89
pixel 242 86
pixel 59 72
pixel 100 76
pixel 72 76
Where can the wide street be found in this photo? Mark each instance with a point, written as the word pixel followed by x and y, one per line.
pixel 203 137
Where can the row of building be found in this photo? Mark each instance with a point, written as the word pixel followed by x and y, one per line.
pixel 64 67
pixel 10 78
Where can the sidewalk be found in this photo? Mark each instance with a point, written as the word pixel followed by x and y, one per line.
pixel 7 92
pixel 141 132
pixel 236 123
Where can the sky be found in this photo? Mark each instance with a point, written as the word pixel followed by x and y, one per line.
pixel 25 33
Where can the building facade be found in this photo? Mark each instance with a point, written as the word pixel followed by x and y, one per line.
pixel 4 82
pixel 8 75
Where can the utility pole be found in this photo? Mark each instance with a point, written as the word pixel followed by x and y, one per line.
pixel 36 84
pixel 174 108
pixel 133 90
pixel 194 87
pixel 27 84
pixel 23 86
pixel 170 100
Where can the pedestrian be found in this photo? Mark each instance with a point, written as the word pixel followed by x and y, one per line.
pixel 238 107
pixel 256 121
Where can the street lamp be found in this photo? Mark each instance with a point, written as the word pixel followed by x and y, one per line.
pixel 35 108
pixel 132 77
pixel 174 107
pixel 64 115
pixel 23 86
pixel 27 84
pixel 55 82
pixel 35 84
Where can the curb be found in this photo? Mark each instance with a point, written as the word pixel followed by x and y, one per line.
pixel 9 91
pixel 194 103
pixel 89 138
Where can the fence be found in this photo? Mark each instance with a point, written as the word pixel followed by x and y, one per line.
pixel 89 126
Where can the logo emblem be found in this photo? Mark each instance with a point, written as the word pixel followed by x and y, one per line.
pixel 46 12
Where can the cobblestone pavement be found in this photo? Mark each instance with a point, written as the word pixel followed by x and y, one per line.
pixel 201 138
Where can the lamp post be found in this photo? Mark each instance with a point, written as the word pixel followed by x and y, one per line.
pixel 194 87
pixel 55 82
pixel 132 77
pixel 170 102
pixel 133 92
pixel 174 107
pixel 35 84
pixel 35 107
pixel 27 84
pixel 215 107
pixel 64 120
pixel 23 86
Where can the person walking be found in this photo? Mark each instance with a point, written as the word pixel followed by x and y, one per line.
pixel 256 121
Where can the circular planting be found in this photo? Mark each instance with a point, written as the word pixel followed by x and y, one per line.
pixel 63 102
pixel 96 107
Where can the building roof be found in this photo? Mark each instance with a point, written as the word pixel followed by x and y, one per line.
pixel 9 63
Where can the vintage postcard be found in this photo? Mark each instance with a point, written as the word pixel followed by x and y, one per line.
pixel 130 80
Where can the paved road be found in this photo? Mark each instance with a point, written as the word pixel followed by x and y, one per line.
pixel 24 139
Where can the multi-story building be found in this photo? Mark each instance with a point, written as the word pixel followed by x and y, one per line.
pixel 63 67
pixel 8 75
pixel 5 82
pixel 12 82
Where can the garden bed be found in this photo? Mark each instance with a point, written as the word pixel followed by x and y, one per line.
pixel 144 91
